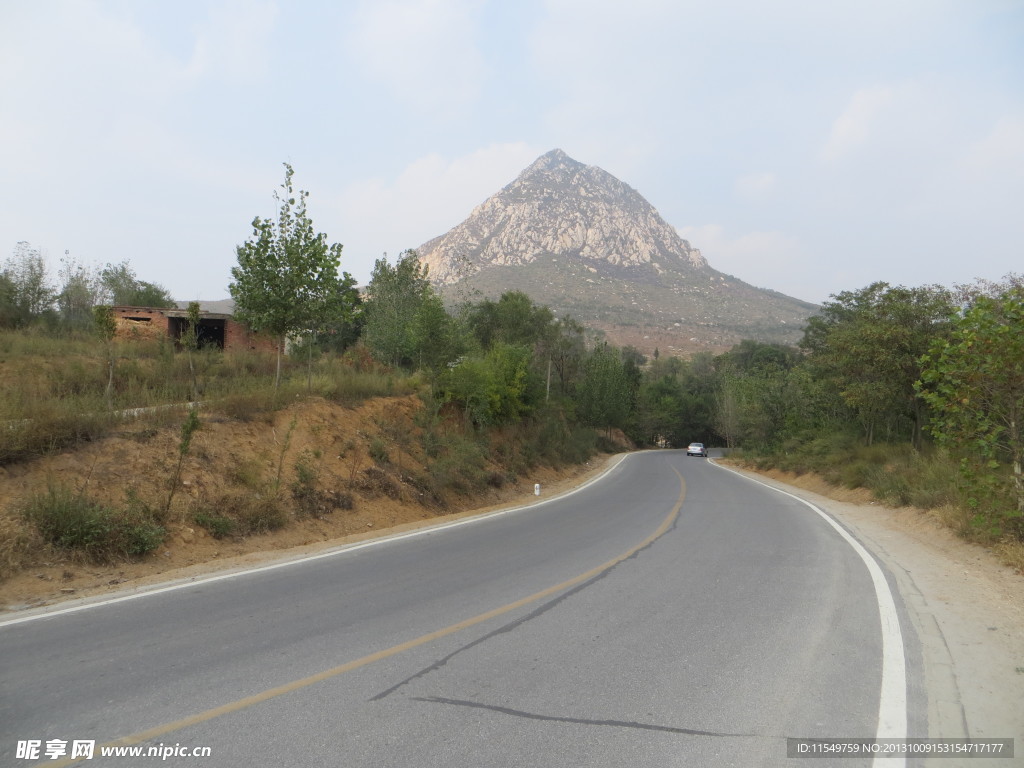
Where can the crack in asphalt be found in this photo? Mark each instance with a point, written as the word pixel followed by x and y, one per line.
pixel 505 628
pixel 512 625
pixel 580 720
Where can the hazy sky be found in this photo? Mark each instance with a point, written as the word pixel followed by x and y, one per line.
pixel 810 147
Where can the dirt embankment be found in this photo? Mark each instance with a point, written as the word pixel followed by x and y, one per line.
pixel 371 454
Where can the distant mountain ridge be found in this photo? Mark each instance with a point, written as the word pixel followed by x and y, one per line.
pixel 577 239
pixel 219 307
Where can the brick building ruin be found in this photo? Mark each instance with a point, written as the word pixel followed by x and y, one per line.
pixel 215 328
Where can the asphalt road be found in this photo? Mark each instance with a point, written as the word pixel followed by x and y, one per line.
pixel 671 613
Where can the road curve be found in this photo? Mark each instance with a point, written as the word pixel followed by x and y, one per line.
pixel 671 613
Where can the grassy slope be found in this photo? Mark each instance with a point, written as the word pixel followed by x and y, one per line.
pixel 337 450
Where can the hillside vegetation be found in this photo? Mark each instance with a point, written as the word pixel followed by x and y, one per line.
pixel 916 394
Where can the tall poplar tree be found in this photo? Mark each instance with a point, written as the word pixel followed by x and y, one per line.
pixel 604 395
pixel 394 299
pixel 286 282
pixel 26 294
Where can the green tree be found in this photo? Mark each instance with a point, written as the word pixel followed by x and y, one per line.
pixel 974 382
pixel 750 355
pixel 471 385
pixel 869 343
pixel 438 339
pixel 727 411
pixel 286 281
pixel 9 314
pixel 511 394
pixel 674 401
pixel 190 341
pixel 492 388
pixel 81 290
pixel 394 298
pixel 512 319
pixel 123 288
pixel 345 326
pixel 26 294
pixel 188 431
pixel 563 349
pixel 604 392
pixel 660 413
pixel 755 398
pixel 105 324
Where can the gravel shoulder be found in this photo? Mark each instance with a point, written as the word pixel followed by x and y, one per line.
pixel 966 607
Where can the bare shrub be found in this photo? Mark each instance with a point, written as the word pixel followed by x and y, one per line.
pixel 262 515
pixel 376 482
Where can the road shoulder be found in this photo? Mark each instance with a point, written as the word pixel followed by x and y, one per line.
pixel 966 607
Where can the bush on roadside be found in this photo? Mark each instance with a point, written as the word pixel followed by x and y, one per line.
pixel 218 526
pixel 460 465
pixel 74 522
pixel 240 514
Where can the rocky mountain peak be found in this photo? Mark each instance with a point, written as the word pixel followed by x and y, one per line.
pixel 561 208
pixel 551 160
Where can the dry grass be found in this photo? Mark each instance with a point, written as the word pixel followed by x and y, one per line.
pixel 20 545
pixel 1011 553
pixel 58 387
pixel 955 518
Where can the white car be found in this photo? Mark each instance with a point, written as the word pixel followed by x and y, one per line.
pixel 696 449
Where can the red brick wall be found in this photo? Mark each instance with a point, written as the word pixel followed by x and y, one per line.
pixel 139 323
pixel 237 337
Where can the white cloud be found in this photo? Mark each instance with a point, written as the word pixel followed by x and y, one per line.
pixel 895 131
pixel 618 74
pixel 861 120
pixel 233 41
pixel 755 186
pixel 81 67
pixel 1001 151
pixel 425 51
pixel 767 253
pixel 973 203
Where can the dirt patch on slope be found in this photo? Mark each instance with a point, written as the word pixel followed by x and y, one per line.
pixel 369 453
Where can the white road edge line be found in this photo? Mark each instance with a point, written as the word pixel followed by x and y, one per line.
pixel 892 700
pixel 87 603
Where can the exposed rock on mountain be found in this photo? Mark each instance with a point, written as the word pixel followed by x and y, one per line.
pixel 577 239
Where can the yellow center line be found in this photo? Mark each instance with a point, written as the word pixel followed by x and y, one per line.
pixel 272 693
